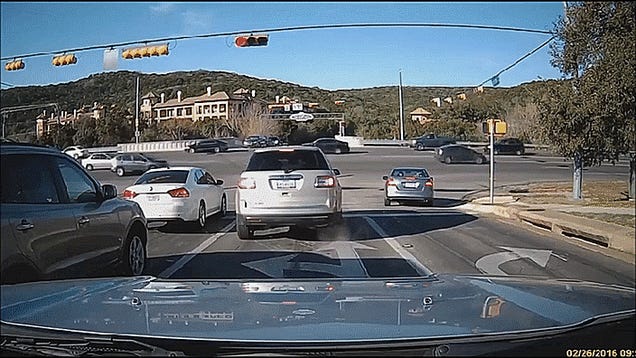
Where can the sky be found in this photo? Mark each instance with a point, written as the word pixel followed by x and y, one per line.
pixel 330 59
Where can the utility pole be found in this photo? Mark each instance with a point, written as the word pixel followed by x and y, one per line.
pixel 401 109
pixel 491 137
pixel 137 112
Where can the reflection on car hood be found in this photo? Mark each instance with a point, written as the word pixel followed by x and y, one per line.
pixel 312 310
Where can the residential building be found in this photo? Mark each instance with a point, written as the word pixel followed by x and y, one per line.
pixel 421 115
pixel 44 122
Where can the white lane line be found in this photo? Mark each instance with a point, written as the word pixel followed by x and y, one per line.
pixel 391 215
pixel 189 256
pixel 406 255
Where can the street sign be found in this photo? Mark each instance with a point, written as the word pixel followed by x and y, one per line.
pixel 301 117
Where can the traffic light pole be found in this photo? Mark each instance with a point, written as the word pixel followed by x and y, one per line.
pixel 492 162
pixel 137 112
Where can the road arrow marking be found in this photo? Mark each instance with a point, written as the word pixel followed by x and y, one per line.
pixel 489 264
pixel 273 267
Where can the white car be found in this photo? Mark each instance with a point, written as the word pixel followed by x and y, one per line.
pixel 76 152
pixel 97 161
pixel 188 194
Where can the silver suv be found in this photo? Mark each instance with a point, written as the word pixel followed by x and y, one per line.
pixel 134 163
pixel 287 186
pixel 58 222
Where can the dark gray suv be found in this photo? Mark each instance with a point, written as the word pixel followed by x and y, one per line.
pixel 58 222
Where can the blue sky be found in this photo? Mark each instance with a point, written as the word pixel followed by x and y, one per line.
pixel 329 59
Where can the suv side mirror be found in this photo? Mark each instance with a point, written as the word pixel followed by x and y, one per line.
pixel 336 171
pixel 385 177
pixel 219 182
pixel 109 191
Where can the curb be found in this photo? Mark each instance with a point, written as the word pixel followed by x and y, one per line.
pixel 617 237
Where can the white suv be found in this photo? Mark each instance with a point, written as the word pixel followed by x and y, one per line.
pixel 288 186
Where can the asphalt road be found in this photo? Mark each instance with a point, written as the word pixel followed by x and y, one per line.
pixel 378 241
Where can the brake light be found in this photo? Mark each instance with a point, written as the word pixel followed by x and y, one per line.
pixel 391 182
pixel 129 194
pixel 325 181
pixel 429 182
pixel 246 183
pixel 179 193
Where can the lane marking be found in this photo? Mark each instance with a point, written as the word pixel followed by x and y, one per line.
pixel 189 256
pixel 405 254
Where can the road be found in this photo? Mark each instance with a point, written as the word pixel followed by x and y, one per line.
pixel 379 241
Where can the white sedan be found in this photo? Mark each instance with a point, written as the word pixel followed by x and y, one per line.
pixel 76 151
pixel 189 194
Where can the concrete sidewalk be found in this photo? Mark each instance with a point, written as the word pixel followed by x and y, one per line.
pixel 555 217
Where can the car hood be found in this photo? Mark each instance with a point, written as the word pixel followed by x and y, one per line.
pixel 313 310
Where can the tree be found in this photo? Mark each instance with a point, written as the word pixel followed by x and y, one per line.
pixel 249 121
pixel 590 115
pixel 114 127
pixel 86 134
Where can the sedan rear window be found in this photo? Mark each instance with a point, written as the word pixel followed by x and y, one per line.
pixel 164 176
pixel 287 160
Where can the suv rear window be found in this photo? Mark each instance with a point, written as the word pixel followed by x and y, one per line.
pixel 287 160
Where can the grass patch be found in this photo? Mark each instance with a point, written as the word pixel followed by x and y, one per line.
pixel 624 220
pixel 595 193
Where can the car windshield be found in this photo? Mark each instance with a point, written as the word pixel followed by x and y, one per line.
pixel 287 160
pixel 320 176
pixel 163 176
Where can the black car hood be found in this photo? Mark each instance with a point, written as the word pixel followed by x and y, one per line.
pixel 312 310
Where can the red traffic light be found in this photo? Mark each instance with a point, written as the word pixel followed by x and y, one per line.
pixel 251 40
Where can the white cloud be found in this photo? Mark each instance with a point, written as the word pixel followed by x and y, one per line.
pixel 163 7
pixel 196 21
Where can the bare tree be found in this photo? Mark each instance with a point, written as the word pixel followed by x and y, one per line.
pixel 250 121
pixel 522 120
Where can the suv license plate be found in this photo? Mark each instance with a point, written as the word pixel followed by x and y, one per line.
pixel 285 184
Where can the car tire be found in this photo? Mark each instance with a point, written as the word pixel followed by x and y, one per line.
pixel 479 160
pixel 387 202
pixel 419 146
pixel 120 171
pixel 89 167
pixel 448 160
pixel 201 220
pixel 134 255
pixel 242 230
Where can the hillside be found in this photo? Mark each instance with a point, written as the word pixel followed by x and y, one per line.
pixel 372 112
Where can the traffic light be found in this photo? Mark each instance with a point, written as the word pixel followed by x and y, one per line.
pixel 63 60
pixel 145 51
pixel 14 65
pixel 251 40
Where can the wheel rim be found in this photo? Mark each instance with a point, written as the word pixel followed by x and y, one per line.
pixel 479 160
pixel 420 147
pixel 136 256
pixel 89 167
pixel 120 172
pixel 338 150
pixel 202 215
pixel 216 150
pixel 518 152
pixel 191 150
pixel 448 160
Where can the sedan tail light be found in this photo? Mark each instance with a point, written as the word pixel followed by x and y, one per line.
pixel 179 193
pixel 429 182
pixel 391 182
pixel 325 181
pixel 129 194
pixel 246 183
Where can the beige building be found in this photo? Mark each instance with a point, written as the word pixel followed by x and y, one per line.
pixel 421 115
pixel 45 123
pixel 209 106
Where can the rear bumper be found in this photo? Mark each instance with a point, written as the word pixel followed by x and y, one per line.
pixel 314 220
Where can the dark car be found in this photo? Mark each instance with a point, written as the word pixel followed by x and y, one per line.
pixel 457 153
pixel 59 222
pixel 508 146
pixel 255 141
pixel 431 141
pixel 208 145
pixel 131 163
pixel 330 145
pixel 273 141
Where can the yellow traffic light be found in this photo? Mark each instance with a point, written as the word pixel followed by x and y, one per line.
pixel 145 51
pixel 501 127
pixel 14 65
pixel 64 60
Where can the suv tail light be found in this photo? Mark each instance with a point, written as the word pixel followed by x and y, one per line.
pixel 325 181
pixel 246 183
pixel 129 194
pixel 179 193
pixel 429 182
pixel 391 182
